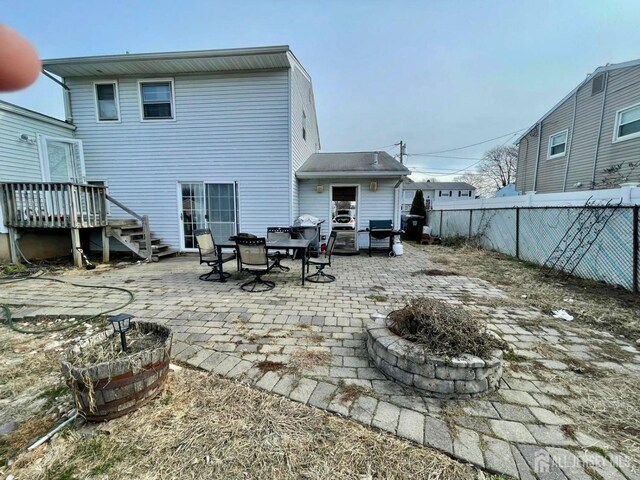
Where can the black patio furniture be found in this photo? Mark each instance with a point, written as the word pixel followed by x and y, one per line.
pixel 211 256
pixel 252 253
pixel 322 261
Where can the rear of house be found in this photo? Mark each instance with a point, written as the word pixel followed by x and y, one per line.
pixel 36 148
pixel 590 139
pixel 195 139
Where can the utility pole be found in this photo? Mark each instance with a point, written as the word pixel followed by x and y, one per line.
pixel 402 154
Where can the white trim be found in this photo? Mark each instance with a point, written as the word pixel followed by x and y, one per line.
pixel 355 231
pixel 44 156
pixel 116 98
pixel 616 126
pixel 25 112
pixel 173 100
pixel 566 143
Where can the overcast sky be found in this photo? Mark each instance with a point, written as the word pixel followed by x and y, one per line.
pixel 436 74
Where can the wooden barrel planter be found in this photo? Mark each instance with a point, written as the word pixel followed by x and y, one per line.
pixel 111 389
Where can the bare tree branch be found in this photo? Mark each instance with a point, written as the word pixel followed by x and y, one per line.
pixel 496 170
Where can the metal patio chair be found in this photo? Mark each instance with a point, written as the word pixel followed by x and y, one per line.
pixel 252 253
pixel 324 260
pixel 209 255
pixel 279 233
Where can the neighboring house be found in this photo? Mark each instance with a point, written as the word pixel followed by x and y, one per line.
pixel 214 139
pixel 507 191
pixel 36 148
pixel 595 127
pixel 435 190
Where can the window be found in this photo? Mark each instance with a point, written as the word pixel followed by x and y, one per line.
pixel 445 194
pixel 107 108
pixel 597 84
pixel 464 194
pixel 557 144
pixel 156 98
pixel 627 124
pixel 304 126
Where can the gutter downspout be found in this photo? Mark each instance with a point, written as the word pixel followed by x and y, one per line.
pixel 66 95
pixel 535 172
pixel 595 154
pixel 570 141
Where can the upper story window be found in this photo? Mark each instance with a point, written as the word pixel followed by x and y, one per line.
pixel 107 107
pixel 156 99
pixel 442 193
pixel 304 125
pixel 597 84
pixel 627 123
pixel 464 193
pixel 558 144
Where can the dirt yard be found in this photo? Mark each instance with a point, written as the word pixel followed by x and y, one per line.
pixel 591 303
pixel 201 426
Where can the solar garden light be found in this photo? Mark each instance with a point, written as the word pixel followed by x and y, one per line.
pixel 121 323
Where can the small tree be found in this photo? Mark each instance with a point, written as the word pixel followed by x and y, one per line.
pixel 417 207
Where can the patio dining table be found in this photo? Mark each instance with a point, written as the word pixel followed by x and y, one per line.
pixel 296 244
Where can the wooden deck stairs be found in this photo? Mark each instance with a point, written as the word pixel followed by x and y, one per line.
pixel 131 234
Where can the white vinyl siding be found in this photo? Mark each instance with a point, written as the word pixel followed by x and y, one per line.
pixel 303 115
pixel 376 205
pixel 20 158
pixel 231 127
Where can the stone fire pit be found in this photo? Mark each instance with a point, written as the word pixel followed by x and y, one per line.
pixel 410 364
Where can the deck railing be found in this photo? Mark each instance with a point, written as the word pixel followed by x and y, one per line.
pixel 53 205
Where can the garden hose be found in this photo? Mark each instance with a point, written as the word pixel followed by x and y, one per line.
pixel 7 311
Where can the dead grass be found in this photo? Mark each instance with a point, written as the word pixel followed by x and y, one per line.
pixel 269 366
pixel 607 408
pixel 350 392
pixel 301 360
pixel 434 272
pixel 442 329
pixel 591 303
pixel 207 427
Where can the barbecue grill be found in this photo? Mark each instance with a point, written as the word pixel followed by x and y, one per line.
pixel 308 227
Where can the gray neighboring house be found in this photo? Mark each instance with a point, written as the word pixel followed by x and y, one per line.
pixel 435 190
pixel 596 126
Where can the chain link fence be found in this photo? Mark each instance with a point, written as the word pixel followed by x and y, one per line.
pixel 608 253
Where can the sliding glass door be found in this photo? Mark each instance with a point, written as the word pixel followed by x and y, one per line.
pixel 207 205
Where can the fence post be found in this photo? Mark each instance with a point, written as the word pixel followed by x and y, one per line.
pixel 440 232
pixel 470 220
pixel 518 233
pixel 636 241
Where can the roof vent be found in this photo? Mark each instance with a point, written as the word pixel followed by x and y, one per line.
pixel 597 84
pixel 375 158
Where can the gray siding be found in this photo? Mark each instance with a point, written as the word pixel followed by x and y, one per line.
pixel 20 160
pixel 231 127
pixel 378 205
pixel 623 91
pixel 301 101
pixel 591 144
pixel 550 176
pixel 585 138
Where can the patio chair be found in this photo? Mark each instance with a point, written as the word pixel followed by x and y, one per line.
pixel 322 261
pixel 252 253
pixel 279 233
pixel 209 255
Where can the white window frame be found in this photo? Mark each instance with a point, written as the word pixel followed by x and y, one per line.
pixel 616 127
pixel 173 100
pixel 116 97
pixel 566 144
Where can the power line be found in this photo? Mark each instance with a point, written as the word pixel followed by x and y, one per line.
pixel 442 156
pixel 510 134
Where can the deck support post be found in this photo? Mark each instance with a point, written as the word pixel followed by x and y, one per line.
pixel 105 245
pixel 13 245
pixel 75 245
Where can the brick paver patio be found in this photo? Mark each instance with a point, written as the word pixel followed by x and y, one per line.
pixel 222 329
